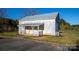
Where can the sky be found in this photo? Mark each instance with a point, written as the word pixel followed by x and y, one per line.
pixel 70 15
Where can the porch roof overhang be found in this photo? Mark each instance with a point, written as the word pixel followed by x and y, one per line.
pixel 31 24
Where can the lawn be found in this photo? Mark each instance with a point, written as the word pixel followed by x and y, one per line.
pixel 8 34
pixel 68 38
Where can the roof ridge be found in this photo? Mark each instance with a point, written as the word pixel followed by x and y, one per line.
pixel 45 15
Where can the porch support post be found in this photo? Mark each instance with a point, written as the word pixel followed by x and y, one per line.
pixel 24 32
pixel 38 27
pixel 32 27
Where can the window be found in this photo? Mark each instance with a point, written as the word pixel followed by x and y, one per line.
pixel 28 27
pixel 41 27
pixel 35 28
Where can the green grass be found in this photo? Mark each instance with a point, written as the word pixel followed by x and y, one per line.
pixel 69 38
pixel 8 34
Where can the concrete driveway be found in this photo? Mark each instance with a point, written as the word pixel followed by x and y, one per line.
pixel 19 44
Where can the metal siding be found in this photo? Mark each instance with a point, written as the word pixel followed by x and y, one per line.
pixel 49 26
pixel 40 17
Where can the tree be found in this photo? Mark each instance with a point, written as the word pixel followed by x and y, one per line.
pixel 16 24
pixel 75 27
pixel 12 24
pixel 64 25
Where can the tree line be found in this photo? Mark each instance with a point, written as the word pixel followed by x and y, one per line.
pixel 7 24
pixel 67 26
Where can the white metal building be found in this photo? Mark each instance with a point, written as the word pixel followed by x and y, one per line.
pixel 42 24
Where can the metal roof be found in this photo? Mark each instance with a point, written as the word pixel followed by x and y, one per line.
pixel 41 17
pixel 31 24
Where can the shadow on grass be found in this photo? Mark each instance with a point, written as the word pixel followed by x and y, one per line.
pixel 75 48
pixel 1 38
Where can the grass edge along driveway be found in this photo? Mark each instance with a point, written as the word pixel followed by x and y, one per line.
pixel 68 37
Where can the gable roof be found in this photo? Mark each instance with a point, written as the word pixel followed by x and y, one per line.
pixel 40 17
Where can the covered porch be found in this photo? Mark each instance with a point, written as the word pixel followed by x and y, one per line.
pixel 32 29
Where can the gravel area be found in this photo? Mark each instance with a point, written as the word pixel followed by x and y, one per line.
pixel 21 44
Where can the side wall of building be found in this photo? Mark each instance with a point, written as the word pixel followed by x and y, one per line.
pixel 49 26
pixel 57 25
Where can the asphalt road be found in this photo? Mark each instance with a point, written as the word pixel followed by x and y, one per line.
pixel 19 44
